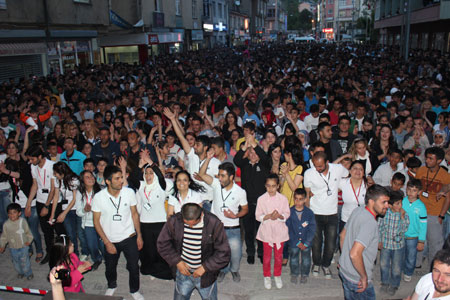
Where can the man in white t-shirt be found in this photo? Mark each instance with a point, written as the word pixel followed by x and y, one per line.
pixel 117 223
pixel 435 285
pixel 229 204
pixel 321 184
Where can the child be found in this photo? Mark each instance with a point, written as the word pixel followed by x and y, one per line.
pixel 272 210
pixel 18 236
pixel 417 229
pixel 392 230
pixel 89 165
pixel 397 183
pixel 302 227
pixel 61 254
pixel 101 165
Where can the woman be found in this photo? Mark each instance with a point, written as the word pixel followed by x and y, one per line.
pixel 59 134
pixel 108 118
pixel 270 137
pixel 73 131
pixel 84 196
pixel 151 198
pixel 90 132
pixel 185 190
pixel 353 190
pixel 275 154
pixel 235 136
pixel 360 151
pixel 383 143
pixel 290 172
pixel 230 125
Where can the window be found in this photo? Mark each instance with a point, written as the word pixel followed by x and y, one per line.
pixel 219 10
pixel 330 11
pixel 213 6
pixel 194 9
pixel 206 8
pixel 2 4
pixel 158 6
pixel 178 7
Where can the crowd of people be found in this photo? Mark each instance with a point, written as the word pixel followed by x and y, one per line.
pixel 306 150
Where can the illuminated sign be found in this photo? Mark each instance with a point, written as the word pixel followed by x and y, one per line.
pixel 327 30
pixel 208 27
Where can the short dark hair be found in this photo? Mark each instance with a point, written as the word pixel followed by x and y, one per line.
pixel 110 171
pixel 320 155
pixel 229 168
pixel 14 206
pixel 399 176
pixel 374 192
pixel 300 192
pixel 439 152
pixel 191 211
pixel 204 139
pixel 250 126
pixel 442 256
pixel 218 141
pixel 273 176
pixel 88 160
pixel 415 183
pixel 35 150
pixel 395 196
pixel 413 162
pixel 322 126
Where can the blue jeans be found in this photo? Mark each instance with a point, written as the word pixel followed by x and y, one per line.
pixel 33 223
pixel 350 290
pixel 391 266
pixel 296 268
pixel 93 242
pixel 446 226
pixel 184 285
pixel 82 237
pixel 234 240
pixel 70 224
pixel 21 261
pixel 5 200
pixel 410 256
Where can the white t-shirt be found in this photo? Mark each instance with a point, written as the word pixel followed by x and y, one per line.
pixel 151 204
pixel 193 165
pixel 66 194
pixel 300 124
pixel 43 178
pixel 311 123
pixel 321 203
pixel 173 152
pixel 425 288
pixel 116 218
pixel 192 197
pixel 231 199
pixel 349 197
pixel 82 200
pixel 22 200
pixel 5 184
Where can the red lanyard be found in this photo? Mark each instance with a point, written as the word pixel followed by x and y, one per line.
pixel 147 195
pixel 39 173
pixel 354 193
pixel 374 215
pixel 87 199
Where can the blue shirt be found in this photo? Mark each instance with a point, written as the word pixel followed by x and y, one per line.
pixel 417 214
pixel 75 162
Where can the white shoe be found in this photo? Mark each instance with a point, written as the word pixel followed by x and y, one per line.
pixel 268 283
pixel 110 292
pixel 137 296
pixel 406 278
pixel 83 257
pixel 278 282
pixel 316 271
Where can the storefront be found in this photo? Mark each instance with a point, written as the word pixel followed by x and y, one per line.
pixel 197 39
pixel 66 55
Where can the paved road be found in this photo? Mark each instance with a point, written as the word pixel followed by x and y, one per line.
pixel 250 287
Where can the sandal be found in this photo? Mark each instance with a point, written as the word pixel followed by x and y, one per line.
pixel 39 257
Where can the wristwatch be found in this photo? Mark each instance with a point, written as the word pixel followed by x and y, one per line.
pixel 442 217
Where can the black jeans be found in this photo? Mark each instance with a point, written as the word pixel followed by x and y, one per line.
pixel 129 248
pixel 47 229
pixel 326 233
pixel 250 229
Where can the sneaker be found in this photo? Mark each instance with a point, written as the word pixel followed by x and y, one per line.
pixel 83 257
pixel 137 296
pixel 20 276
pixel 236 276
pixel 303 279
pixel 96 265
pixel 30 277
pixel 250 260
pixel 45 260
pixel 260 259
pixel 384 288
pixel 327 273
pixel 316 271
pixel 333 261
pixel 392 290
pixel 278 282
pixel 268 283
pixel 294 279
pixel 110 292
pixel 285 261
pixel 221 276
pixel 406 278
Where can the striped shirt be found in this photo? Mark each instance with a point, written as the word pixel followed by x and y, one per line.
pixel 191 252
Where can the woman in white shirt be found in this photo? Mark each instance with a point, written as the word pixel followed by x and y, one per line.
pixel 185 190
pixel 85 194
pixel 353 191
pixel 151 198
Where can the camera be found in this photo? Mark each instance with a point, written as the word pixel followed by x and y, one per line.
pixel 62 274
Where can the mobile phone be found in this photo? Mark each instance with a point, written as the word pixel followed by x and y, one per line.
pixel 62 274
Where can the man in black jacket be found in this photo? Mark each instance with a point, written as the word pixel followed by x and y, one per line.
pixel 255 167
pixel 194 244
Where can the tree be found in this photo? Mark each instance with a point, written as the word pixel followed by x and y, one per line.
pixel 298 20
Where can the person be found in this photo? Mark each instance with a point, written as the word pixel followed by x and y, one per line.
pixel 117 223
pixel 343 136
pixel 291 172
pixel 417 229
pixel 5 190
pixel 72 157
pixel 436 284
pixel 185 190
pixel 84 198
pixel 102 163
pixel 302 227
pixel 151 198
pixel 332 147
pixel 359 150
pixel 392 230
pixel 62 254
pixel 359 245
pixel 272 210
pixel 56 284
pixel 384 172
pixel 397 183
pixel 198 266
pixel 106 148
pixel 321 184
pixel 17 235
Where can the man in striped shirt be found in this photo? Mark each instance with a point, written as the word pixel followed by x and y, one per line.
pixel 194 244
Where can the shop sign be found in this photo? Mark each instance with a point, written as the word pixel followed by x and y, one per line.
pixel 68 46
pixel 153 39
pixel 220 27
pixel 208 27
pixel 327 30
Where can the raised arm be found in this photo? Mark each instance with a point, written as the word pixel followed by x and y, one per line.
pixel 202 173
pixel 177 128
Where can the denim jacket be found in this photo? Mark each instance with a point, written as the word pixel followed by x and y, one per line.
pixel 301 230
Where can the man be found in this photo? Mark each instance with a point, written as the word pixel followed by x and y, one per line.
pixel 359 245
pixel 106 148
pixel 343 137
pixel 254 170
pixel 434 179
pixel 43 189
pixel 116 221
pixel 229 205
pixel 198 266
pixel 72 157
pixel 435 285
pixel 321 184
pixel 5 125
pixel 218 145
pixel 82 113
pixel 293 118
pixel 332 147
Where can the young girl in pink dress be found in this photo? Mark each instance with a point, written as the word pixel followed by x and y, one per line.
pixel 272 210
